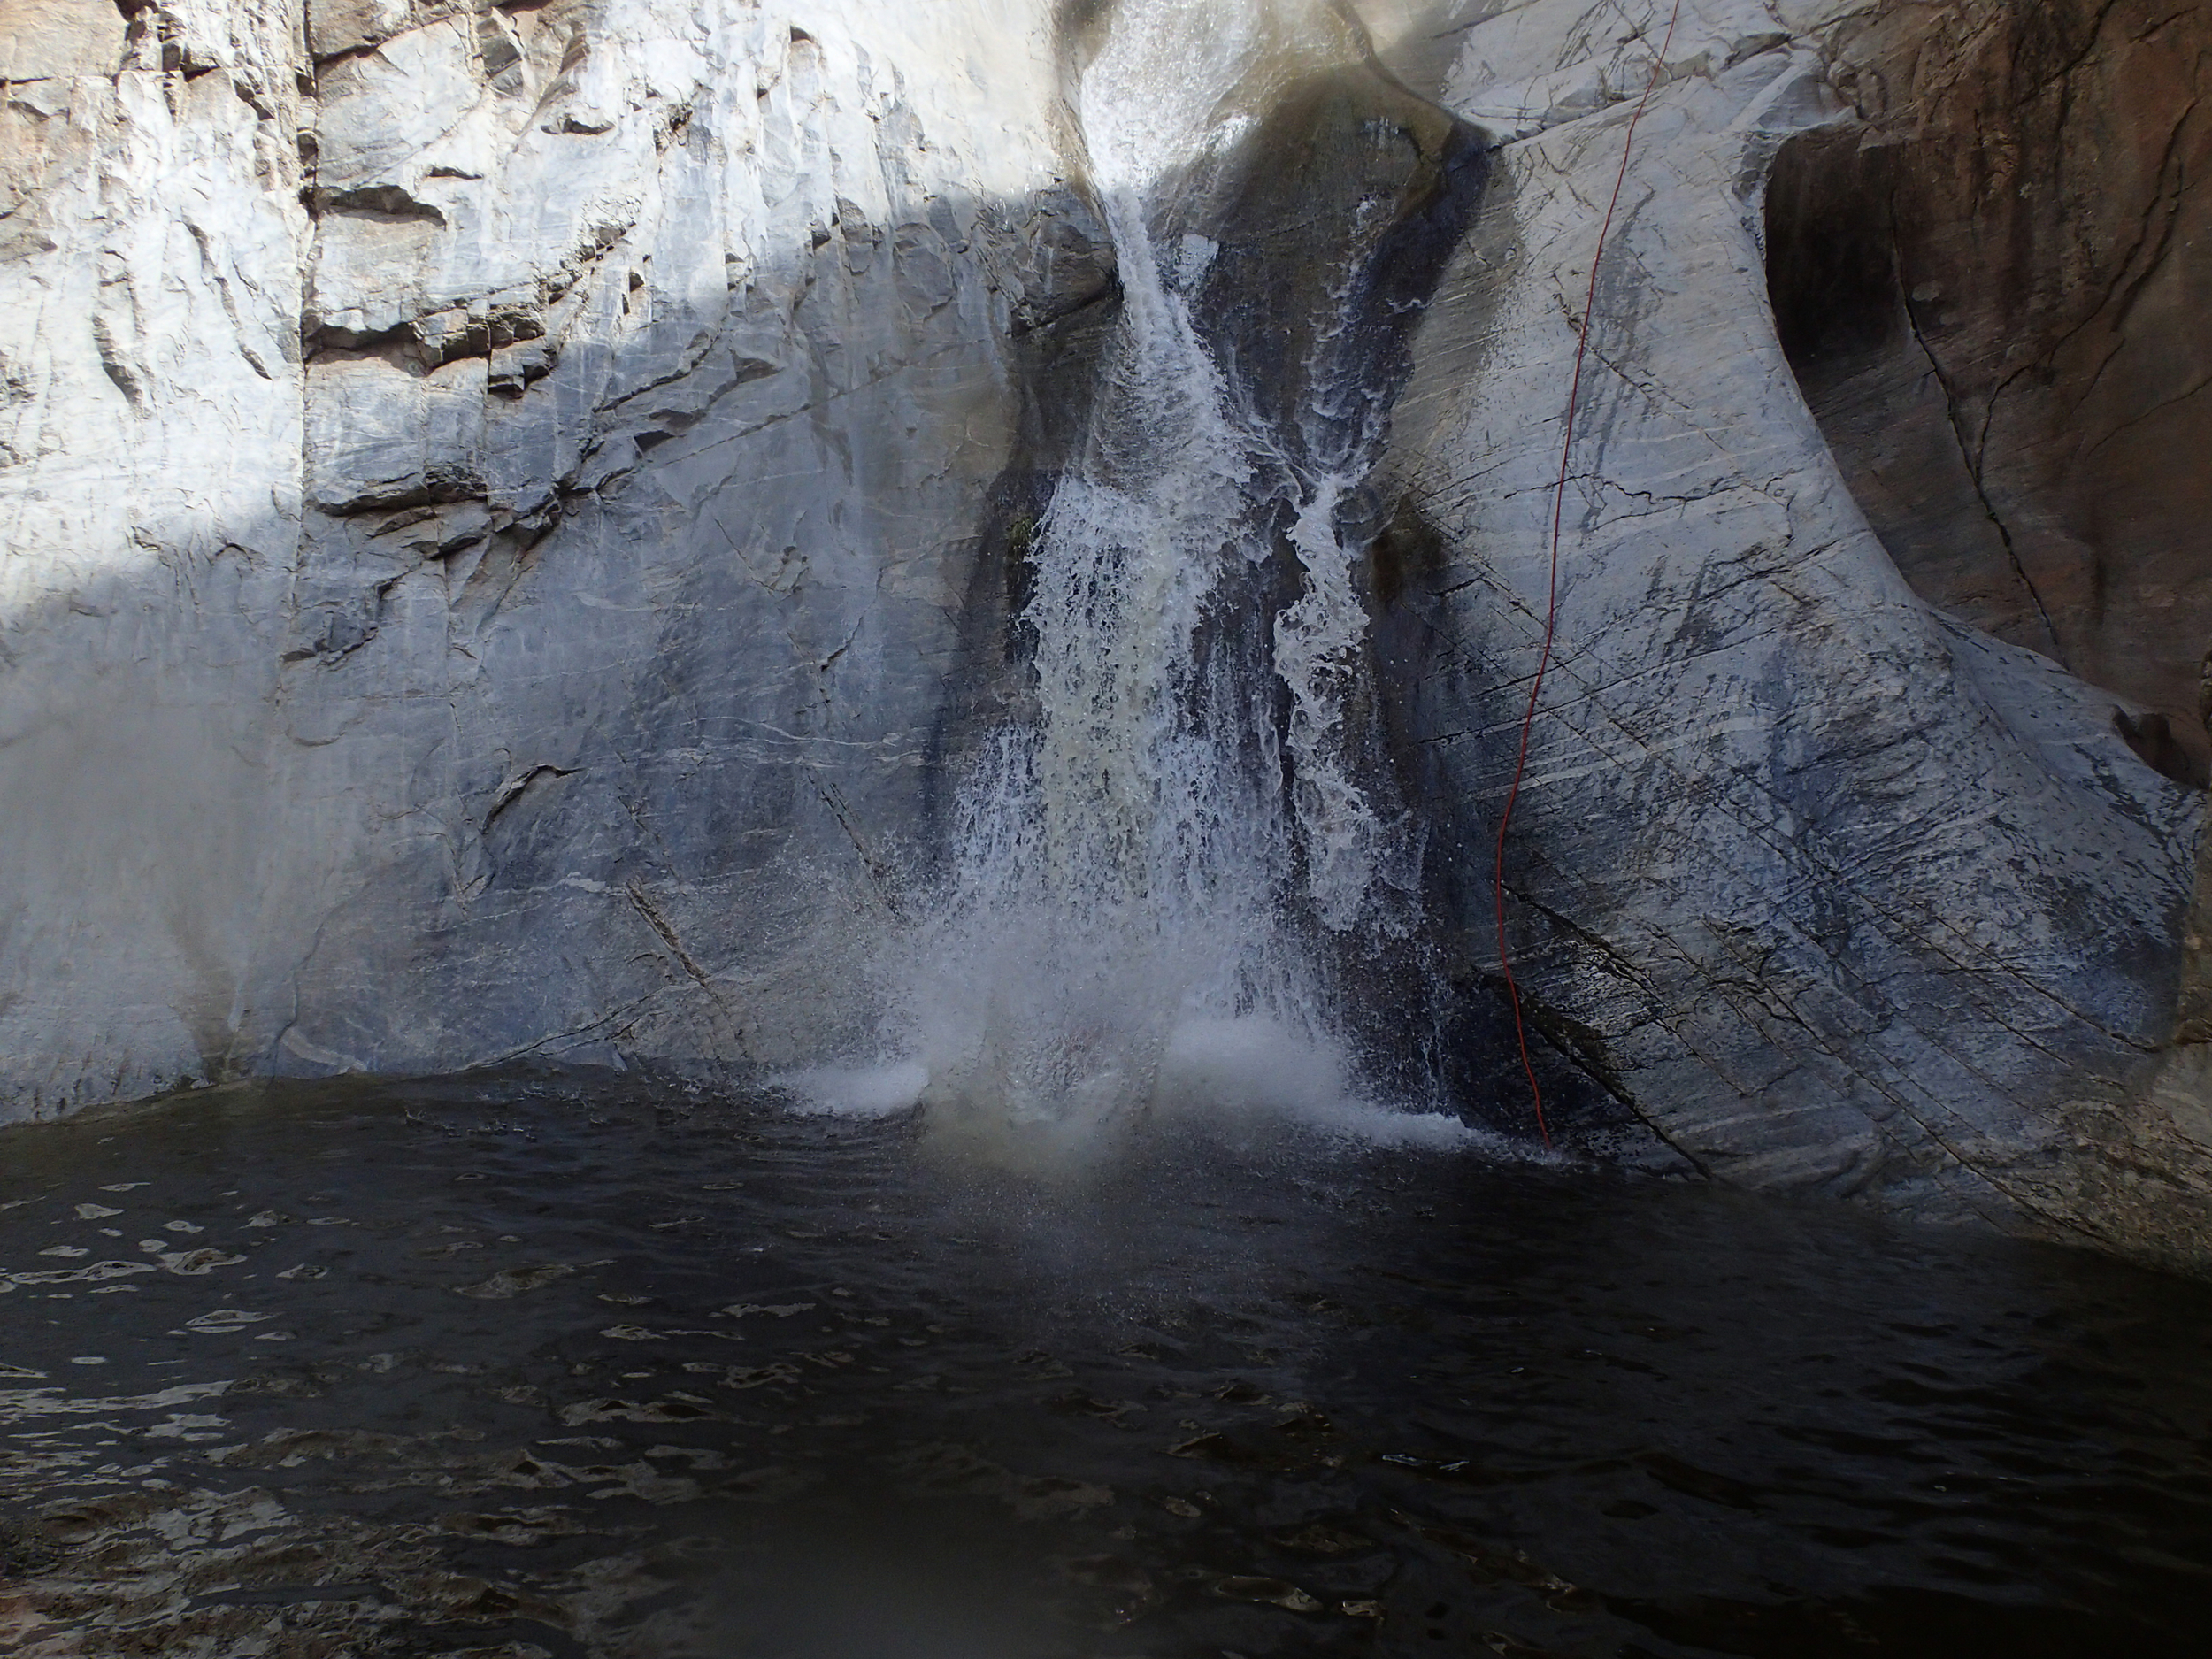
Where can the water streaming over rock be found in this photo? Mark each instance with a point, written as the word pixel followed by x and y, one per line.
pixel 1145 863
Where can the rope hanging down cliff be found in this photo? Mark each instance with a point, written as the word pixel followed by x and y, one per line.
pixel 1551 603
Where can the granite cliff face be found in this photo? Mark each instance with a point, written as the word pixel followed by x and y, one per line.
pixel 1842 892
pixel 487 518
pixel 518 520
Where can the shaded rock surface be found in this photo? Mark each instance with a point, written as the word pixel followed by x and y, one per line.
pixel 1993 287
pixel 513 516
pixel 1845 894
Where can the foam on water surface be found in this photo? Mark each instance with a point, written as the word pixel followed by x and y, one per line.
pixel 878 1091
pixel 1256 1071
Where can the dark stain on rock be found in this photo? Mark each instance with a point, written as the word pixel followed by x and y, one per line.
pixel 1997 295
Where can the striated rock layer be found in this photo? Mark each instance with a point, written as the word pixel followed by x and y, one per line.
pixel 513 516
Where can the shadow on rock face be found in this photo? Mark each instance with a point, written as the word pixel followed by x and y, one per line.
pixel 2157 738
pixel 1995 297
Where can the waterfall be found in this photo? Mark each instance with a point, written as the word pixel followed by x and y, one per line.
pixel 1143 865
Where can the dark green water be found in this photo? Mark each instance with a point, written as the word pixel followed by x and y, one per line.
pixel 548 1369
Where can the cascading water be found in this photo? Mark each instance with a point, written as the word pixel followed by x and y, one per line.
pixel 1144 864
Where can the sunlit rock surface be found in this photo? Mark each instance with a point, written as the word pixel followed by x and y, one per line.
pixel 502 508
pixel 490 499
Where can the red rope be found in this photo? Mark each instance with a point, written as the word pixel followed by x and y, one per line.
pixel 1551 605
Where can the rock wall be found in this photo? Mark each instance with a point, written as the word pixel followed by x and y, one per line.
pixel 1841 893
pixel 1992 286
pixel 489 499
pixel 2182 1093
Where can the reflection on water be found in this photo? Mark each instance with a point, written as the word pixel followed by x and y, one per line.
pixel 544 1368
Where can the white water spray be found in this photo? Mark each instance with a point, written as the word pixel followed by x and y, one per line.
pixel 1132 878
